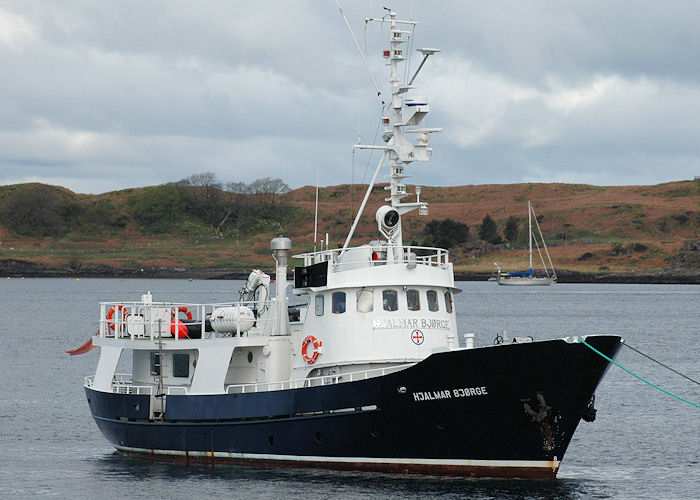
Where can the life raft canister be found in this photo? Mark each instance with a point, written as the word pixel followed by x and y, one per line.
pixel 110 314
pixel 311 358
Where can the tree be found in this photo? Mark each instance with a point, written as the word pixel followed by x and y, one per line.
pixel 489 231
pixel 237 206
pixel 511 231
pixel 266 191
pixel 445 233
pixel 203 194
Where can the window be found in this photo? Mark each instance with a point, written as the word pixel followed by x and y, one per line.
pixel 390 300
pixel 181 365
pixel 448 301
pixel 319 305
pixel 155 363
pixel 338 302
pixel 365 301
pixel 432 300
pixel 413 300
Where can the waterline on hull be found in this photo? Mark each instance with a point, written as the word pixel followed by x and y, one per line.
pixel 451 467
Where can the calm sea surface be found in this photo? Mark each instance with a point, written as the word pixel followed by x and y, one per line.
pixel 644 443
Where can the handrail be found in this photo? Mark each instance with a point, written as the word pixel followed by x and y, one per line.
pixel 123 383
pixel 117 325
pixel 437 257
pixel 316 381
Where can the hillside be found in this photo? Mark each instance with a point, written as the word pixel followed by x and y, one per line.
pixel 170 229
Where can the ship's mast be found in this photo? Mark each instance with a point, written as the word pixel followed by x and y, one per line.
pixel 529 230
pixel 400 113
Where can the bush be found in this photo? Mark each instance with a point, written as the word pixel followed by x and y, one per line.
pixel 36 210
pixel 158 209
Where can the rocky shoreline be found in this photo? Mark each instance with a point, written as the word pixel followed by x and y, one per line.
pixel 11 268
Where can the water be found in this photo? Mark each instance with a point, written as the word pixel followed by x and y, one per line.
pixel 644 444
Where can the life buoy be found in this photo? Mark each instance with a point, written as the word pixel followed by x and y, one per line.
pixel 110 314
pixel 185 310
pixel 313 356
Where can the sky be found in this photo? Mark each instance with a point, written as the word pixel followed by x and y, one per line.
pixel 98 96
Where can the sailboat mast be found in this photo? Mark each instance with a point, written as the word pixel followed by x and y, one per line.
pixel 529 230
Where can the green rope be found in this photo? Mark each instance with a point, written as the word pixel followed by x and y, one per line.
pixel 635 375
pixel 659 362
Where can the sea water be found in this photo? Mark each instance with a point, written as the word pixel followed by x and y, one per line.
pixel 643 444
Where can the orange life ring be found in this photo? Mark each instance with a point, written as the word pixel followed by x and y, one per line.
pixel 185 310
pixel 110 314
pixel 311 358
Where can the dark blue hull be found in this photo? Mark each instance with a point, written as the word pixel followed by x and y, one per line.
pixel 509 410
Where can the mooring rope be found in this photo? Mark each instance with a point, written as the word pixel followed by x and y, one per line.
pixel 635 375
pixel 659 362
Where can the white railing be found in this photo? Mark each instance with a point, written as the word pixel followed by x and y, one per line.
pixel 381 255
pixel 315 381
pixel 158 319
pixel 123 384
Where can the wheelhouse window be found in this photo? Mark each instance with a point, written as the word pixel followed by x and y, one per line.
pixel 319 305
pixel 448 301
pixel 390 300
pixel 338 302
pixel 365 301
pixel 432 300
pixel 413 300
pixel 181 365
pixel 155 363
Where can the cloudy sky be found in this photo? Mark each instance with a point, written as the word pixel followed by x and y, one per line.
pixel 98 96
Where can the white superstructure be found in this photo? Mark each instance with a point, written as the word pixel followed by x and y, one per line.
pixel 369 309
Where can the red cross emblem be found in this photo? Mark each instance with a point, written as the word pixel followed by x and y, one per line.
pixel 417 337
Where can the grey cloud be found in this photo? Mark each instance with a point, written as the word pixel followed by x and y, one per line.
pixel 129 93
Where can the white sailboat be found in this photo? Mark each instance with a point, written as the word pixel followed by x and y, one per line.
pixel 528 278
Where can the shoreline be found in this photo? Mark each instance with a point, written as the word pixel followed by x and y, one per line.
pixel 11 268
pixel 663 277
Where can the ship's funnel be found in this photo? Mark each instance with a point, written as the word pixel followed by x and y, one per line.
pixel 281 248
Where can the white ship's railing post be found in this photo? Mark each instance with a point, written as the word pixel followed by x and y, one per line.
pixel 103 319
pixel 175 324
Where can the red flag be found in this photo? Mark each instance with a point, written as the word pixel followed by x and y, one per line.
pixel 86 347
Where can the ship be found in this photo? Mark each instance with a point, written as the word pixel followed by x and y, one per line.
pixel 354 363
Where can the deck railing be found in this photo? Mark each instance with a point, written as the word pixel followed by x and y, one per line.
pixel 378 256
pixel 315 381
pixel 158 319
pixel 123 383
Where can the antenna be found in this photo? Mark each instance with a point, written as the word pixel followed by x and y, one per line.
pixel 426 54
pixel 316 216
pixel 379 92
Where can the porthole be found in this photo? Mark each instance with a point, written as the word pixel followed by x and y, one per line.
pixel 374 432
pixel 441 425
pixel 271 440
pixel 319 437
pixel 136 407
pixel 250 356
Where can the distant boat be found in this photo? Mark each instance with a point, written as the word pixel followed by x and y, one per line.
pixel 528 278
